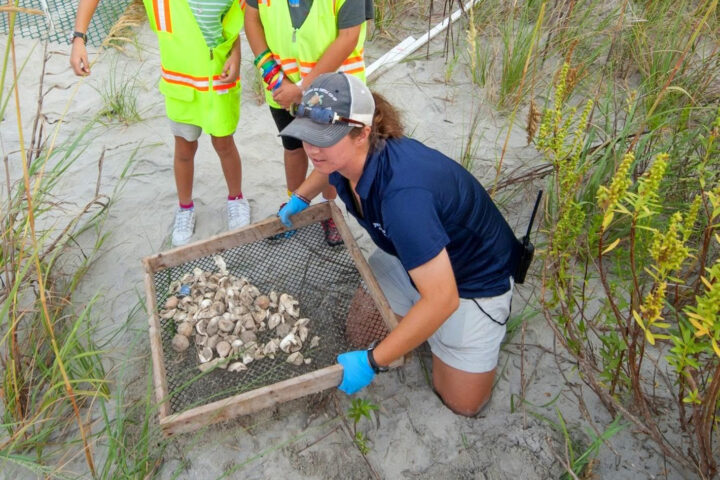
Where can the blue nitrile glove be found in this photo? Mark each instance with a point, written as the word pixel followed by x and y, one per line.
pixel 293 206
pixel 357 372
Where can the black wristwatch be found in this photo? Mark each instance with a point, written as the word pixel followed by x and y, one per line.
pixel 79 35
pixel 371 359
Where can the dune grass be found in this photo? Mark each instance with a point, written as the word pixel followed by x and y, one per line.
pixel 649 71
pixel 119 94
pixel 54 380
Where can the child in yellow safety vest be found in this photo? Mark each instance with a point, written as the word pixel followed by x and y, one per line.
pixel 294 41
pixel 200 56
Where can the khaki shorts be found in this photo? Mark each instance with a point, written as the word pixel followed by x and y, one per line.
pixel 470 339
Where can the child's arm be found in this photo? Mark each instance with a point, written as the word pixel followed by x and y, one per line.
pixel 254 31
pixel 78 53
pixel 231 69
pixel 336 53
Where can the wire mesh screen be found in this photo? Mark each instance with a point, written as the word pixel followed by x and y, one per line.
pixel 58 22
pixel 330 292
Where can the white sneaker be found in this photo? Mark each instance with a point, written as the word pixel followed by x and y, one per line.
pixel 238 213
pixel 184 226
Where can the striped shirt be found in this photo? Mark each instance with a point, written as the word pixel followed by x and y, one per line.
pixel 208 15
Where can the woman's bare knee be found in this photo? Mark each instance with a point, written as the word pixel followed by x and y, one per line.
pixel 463 406
pixel 465 393
pixel 474 410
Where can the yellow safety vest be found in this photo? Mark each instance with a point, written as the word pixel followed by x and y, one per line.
pixel 190 69
pixel 298 50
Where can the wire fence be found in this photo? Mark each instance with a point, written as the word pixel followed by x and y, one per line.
pixel 58 23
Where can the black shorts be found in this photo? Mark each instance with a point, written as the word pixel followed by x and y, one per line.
pixel 282 119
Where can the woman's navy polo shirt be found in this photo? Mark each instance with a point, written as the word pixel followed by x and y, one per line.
pixel 416 201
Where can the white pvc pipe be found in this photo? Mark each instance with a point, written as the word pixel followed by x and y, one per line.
pixel 410 44
pixel 391 57
pixel 48 18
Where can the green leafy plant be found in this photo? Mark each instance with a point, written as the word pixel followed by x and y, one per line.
pixel 631 272
pixel 359 409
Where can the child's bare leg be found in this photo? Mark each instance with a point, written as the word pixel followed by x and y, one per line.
pixel 296 165
pixel 184 167
pixel 230 162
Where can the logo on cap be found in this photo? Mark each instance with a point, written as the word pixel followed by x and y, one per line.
pixel 316 99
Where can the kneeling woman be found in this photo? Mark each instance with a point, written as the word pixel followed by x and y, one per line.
pixel 446 254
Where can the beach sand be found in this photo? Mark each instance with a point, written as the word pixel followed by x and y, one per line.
pixel 415 435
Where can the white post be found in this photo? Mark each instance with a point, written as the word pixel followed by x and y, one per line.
pixel 410 44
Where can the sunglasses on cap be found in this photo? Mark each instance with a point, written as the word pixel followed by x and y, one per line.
pixel 323 115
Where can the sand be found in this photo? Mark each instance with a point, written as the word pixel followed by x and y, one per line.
pixel 415 436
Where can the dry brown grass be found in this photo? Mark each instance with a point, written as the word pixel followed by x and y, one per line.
pixel 533 121
pixel 121 32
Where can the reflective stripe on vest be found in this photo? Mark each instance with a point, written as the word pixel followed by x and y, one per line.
pixel 289 65
pixel 161 9
pixel 350 65
pixel 198 83
pixel 353 65
pixel 298 50
pixel 222 87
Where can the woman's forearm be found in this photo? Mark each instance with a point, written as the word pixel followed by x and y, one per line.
pixel 335 54
pixel 85 11
pixel 313 185
pixel 439 298
pixel 421 321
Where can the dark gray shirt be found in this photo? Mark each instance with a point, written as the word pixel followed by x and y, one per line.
pixel 353 12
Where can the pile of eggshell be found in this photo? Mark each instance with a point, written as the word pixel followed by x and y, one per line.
pixel 222 315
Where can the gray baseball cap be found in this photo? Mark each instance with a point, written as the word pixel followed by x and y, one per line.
pixel 327 105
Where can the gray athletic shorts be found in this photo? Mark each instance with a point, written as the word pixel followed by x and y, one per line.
pixel 185 130
pixel 469 340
